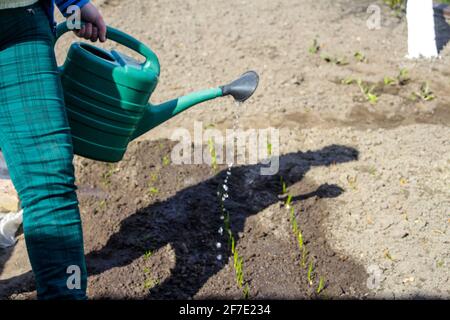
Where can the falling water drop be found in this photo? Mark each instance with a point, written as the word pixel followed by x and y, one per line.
pixel 223 195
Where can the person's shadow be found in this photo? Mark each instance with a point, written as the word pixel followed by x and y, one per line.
pixel 190 219
pixel 189 222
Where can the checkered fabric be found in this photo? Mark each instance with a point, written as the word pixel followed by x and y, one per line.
pixel 36 143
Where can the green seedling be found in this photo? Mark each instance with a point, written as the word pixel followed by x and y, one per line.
pixel 212 152
pixel 388 81
pixel 153 191
pixel 372 98
pixel 294 221
pixel 394 4
pixel 106 177
pixel 368 92
pixel 288 201
pixel 300 240
pixel 240 272
pixel 315 47
pixel 150 283
pixel 310 273
pixel 397 6
pixel 425 92
pixel 147 255
pixel 166 161
pixel 304 257
pixel 269 149
pixel 403 77
pixel 246 292
pixel 283 186
pixel 321 285
pixel 153 177
pixel 359 56
pixel 348 81
pixel 233 247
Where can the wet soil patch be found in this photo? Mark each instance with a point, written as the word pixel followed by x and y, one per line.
pixel 151 228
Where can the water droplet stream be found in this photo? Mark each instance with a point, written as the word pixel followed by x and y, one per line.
pixel 225 187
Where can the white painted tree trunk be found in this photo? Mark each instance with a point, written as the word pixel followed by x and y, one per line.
pixel 421 32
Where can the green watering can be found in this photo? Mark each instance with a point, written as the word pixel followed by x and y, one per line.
pixel 107 94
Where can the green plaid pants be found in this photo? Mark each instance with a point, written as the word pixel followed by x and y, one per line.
pixel 36 143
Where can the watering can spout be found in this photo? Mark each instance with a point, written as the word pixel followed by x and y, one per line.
pixel 154 115
pixel 240 89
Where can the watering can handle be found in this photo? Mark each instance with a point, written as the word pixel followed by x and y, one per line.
pixel 151 60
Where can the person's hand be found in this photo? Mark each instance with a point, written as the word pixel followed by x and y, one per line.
pixel 94 27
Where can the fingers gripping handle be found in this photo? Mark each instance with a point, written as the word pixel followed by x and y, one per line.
pixel 151 60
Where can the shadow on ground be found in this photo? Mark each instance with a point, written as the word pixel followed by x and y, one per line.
pixel 187 219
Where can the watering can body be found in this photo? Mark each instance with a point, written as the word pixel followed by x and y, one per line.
pixel 107 96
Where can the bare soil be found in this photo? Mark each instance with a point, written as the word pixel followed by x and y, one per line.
pixel 370 182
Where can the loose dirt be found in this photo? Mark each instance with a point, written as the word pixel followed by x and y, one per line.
pixel 370 182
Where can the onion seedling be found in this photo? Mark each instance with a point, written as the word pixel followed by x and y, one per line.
pixel 283 186
pixel 300 239
pixel 246 292
pixel 321 285
pixel 212 152
pixel 269 149
pixel 288 201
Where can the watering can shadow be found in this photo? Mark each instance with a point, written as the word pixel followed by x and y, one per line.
pixel 107 95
